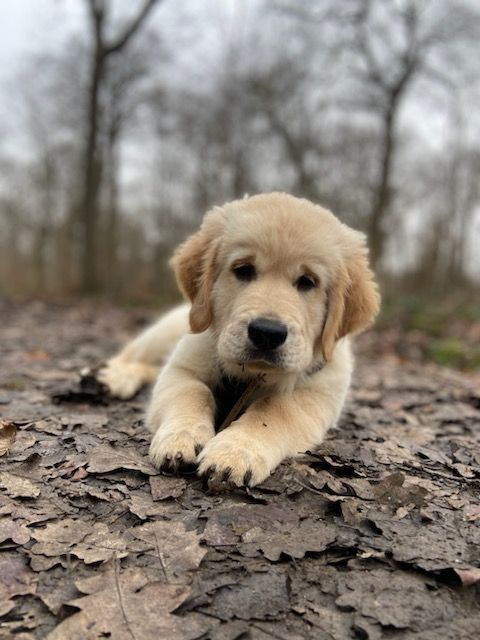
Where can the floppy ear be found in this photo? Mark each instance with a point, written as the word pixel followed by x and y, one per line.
pixel 194 263
pixel 353 300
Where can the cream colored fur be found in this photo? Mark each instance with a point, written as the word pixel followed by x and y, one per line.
pixel 284 238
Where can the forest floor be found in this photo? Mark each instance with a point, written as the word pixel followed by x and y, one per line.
pixel 374 535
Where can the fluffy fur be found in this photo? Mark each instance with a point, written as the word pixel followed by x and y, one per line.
pixel 305 269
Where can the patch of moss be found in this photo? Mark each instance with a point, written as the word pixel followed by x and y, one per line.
pixel 13 385
pixel 451 352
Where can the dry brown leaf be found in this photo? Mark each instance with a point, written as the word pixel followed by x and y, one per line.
pixel 105 458
pixel 17 486
pixel 261 596
pixel 468 576
pixel 351 512
pixel 12 530
pixel 393 452
pixel 15 580
pixel 125 605
pixel 464 470
pixel 472 512
pixel 395 600
pixel 100 545
pixel 8 432
pixel 24 441
pixel 143 506
pixel 177 549
pixel 88 543
pixel 290 540
pixel 227 524
pixel 57 538
pixel 163 487
pixel 394 491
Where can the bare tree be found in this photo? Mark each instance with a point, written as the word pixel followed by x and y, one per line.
pixel 394 44
pixel 311 98
pixel 103 50
pixel 127 87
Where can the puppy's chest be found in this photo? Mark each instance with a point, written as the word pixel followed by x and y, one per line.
pixel 232 398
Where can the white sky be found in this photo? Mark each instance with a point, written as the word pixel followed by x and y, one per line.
pixel 33 26
pixel 30 26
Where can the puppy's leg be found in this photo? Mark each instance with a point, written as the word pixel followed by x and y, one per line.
pixel 276 427
pixel 182 407
pixel 138 363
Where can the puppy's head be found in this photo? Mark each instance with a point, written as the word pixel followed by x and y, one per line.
pixel 279 280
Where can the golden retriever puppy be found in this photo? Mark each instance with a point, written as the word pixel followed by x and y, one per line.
pixel 276 285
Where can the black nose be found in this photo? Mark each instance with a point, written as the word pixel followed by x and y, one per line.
pixel 267 334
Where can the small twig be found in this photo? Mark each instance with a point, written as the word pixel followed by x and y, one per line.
pixel 267 632
pixel 432 472
pixel 161 558
pixel 312 489
pixel 242 401
pixel 119 594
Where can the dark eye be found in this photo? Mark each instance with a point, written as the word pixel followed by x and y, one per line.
pixel 305 283
pixel 244 272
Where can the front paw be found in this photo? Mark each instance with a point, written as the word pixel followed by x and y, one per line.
pixel 124 379
pixel 234 458
pixel 175 447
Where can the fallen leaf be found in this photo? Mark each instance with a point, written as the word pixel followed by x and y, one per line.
pixel 143 506
pixel 105 458
pixel 23 442
pixel 8 431
pixel 163 487
pixel 464 470
pixel 226 525
pixel 290 540
pixel 12 530
pixel 57 538
pixel 37 354
pixel 472 512
pixel 18 487
pixel 89 543
pixel 100 545
pixel 261 596
pixel 468 576
pixel 393 491
pixel 393 599
pixel 351 512
pixel 15 579
pixel 125 605
pixel 177 549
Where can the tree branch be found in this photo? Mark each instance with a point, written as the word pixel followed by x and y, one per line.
pixel 130 30
pixel 97 14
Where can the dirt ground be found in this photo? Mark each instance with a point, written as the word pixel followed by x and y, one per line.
pixel 375 535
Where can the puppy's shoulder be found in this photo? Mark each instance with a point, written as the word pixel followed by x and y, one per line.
pixel 195 352
pixel 335 373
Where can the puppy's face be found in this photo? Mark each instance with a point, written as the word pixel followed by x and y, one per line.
pixel 279 280
pixel 269 298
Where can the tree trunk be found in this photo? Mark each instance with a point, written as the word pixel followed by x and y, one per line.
pixel 382 196
pixel 92 160
pixel 92 168
pixel 111 229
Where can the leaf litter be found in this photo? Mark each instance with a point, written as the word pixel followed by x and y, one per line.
pixel 374 534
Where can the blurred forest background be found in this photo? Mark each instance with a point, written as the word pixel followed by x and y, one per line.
pixel 122 123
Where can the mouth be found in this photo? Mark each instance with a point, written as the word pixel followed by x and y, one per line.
pixel 261 360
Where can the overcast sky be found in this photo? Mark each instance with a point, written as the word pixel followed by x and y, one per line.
pixel 34 26
pixel 30 25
